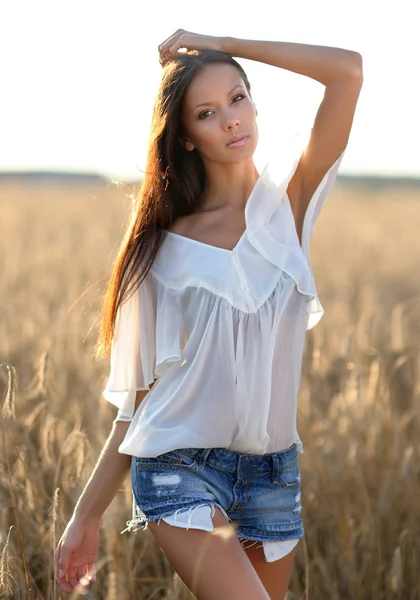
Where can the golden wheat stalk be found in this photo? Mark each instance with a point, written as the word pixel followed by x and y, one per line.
pixel 55 508
pixel 9 411
pixel 6 588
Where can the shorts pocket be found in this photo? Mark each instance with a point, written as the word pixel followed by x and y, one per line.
pixel 174 459
pixel 290 474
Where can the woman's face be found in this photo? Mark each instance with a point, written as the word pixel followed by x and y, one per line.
pixel 216 107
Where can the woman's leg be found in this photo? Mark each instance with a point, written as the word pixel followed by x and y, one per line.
pixel 275 575
pixel 212 564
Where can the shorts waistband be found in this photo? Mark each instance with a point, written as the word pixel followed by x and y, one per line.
pixel 247 464
pixel 286 452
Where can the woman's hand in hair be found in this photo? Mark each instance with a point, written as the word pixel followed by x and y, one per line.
pixel 189 41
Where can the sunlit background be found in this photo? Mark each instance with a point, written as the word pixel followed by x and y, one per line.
pixel 78 81
pixel 79 78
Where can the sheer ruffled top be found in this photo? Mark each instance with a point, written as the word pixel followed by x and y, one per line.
pixel 222 331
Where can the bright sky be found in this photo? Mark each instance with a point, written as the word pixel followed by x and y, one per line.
pixel 79 78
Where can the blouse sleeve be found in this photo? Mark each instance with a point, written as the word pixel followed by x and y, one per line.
pixel 282 164
pixel 313 211
pixel 317 202
pixel 146 343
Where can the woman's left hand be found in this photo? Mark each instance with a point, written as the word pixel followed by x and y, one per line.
pixel 188 40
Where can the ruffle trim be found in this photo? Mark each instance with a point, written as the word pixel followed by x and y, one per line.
pixel 146 344
pixel 270 229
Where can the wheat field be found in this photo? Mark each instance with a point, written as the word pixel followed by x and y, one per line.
pixel 359 401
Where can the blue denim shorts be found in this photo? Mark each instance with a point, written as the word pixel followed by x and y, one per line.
pixel 259 494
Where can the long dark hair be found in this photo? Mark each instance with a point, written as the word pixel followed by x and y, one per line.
pixel 157 204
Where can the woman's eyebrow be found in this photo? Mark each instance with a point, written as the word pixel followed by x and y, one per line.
pixel 205 103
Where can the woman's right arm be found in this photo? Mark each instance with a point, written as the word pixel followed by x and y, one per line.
pixel 107 477
pixel 76 552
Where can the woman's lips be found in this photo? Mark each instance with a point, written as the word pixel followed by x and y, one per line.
pixel 240 142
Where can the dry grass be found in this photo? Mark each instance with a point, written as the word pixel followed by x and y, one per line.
pixel 358 414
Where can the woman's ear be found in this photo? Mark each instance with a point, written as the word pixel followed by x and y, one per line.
pixel 185 143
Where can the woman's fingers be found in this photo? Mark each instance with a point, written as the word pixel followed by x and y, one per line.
pixel 189 41
pixel 75 557
pixel 91 571
pixel 84 577
pixel 62 560
pixel 169 41
pixel 64 583
pixel 179 42
pixel 73 576
pixel 170 45
pixel 164 46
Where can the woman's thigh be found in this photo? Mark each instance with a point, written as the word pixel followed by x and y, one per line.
pixel 212 564
pixel 275 576
pixel 263 503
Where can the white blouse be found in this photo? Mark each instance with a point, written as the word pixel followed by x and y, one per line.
pixel 222 331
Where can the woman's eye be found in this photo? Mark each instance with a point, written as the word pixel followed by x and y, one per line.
pixel 203 115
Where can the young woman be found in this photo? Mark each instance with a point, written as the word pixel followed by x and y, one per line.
pixel 205 315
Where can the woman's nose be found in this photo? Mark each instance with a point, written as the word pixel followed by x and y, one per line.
pixel 232 122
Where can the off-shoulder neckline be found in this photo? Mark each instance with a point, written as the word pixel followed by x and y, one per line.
pixel 238 243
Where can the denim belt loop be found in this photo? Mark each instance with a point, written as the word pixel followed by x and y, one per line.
pixel 276 469
pixel 203 457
